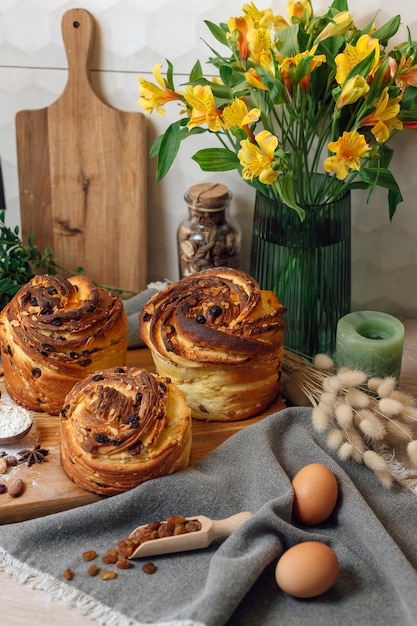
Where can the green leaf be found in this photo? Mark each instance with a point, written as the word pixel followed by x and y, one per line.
pixel 340 5
pixel 216 159
pixel 285 187
pixel 287 43
pixel 196 72
pixel 217 31
pixel 170 75
pixel 388 30
pixel 383 178
pixel 168 149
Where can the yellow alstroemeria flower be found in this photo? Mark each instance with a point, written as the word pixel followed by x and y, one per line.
pixel 237 114
pixel 352 90
pixel 298 8
pixel 256 160
pixel 151 96
pixel 289 62
pixel 203 108
pixel 341 23
pixel 353 55
pixel 260 48
pixel 264 18
pixel 241 24
pixel 348 149
pixel 384 119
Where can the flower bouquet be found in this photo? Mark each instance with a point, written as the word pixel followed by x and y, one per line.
pixel 304 108
pixel 292 98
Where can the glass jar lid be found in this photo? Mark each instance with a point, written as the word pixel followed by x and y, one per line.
pixel 208 196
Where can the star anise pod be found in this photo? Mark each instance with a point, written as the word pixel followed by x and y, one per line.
pixel 32 455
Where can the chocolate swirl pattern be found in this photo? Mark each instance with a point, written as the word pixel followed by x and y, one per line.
pixel 56 331
pixel 121 427
pixel 220 338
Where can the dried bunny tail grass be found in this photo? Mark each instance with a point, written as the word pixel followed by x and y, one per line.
pixel 373 383
pixel 335 439
pixel 320 419
pixel 405 398
pixel 398 431
pixel 332 384
pixel 343 414
pixel 386 387
pixel 346 451
pixel 371 426
pixel 409 414
pixel 328 399
pixel 379 466
pixel 351 378
pixel 357 399
pixel 412 452
pixel 323 362
pixel 385 478
pixel 390 407
pixel 358 443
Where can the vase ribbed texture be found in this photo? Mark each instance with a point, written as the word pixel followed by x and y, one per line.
pixel 308 265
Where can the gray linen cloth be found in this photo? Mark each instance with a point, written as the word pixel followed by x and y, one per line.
pixel 132 307
pixel 372 531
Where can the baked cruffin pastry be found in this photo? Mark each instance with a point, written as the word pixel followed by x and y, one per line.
pixel 121 427
pixel 220 339
pixel 56 331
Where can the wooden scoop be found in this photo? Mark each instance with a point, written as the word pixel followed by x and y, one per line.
pixel 209 531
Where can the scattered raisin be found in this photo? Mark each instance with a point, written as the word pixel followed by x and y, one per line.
pixel 201 319
pixel 93 570
pixel 149 568
pixel 36 372
pixel 124 564
pixel 68 574
pixel 110 556
pixel 3 488
pixel 108 574
pixel 89 555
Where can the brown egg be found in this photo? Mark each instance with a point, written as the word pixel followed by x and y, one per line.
pixel 307 569
pixel 315 494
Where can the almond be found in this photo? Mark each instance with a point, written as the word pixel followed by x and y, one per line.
pixel 3 466
pixel 15 488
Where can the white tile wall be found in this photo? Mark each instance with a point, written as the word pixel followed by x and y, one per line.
pixel 132 35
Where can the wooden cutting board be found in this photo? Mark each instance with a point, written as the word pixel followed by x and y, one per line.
pixel 82 174
pixel 48 490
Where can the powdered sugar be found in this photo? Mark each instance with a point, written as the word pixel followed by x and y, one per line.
pixel 14 419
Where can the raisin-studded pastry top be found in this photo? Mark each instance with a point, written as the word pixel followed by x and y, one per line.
pixel 220 338
pixel 56 331
pixel 121 427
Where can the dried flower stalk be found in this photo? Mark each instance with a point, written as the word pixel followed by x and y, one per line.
pixel 361 416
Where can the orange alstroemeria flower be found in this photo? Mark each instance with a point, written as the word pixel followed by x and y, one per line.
pixel 384 119
pixel 254 79
pixel 257 159
pixel 241 24
pixel 352 55
pixel 348 149
pixel 151 96
pixel 290 62
pixel 405 73
pixel 203 108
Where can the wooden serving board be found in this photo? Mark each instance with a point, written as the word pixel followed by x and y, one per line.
pixel 82 174
pixel 47 488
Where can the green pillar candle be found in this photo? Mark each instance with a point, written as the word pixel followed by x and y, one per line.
pixel 370 341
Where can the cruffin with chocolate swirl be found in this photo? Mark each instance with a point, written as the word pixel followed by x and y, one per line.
pixel 56 331
pixel 220 338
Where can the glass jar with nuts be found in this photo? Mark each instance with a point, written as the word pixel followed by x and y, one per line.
pixel 209 236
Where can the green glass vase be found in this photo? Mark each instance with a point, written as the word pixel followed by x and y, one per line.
pixel 308 265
